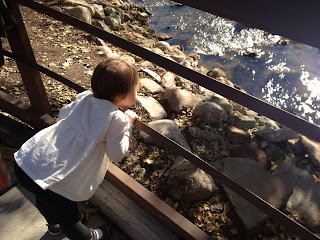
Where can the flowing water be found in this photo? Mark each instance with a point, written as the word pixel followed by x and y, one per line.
pixel 285 75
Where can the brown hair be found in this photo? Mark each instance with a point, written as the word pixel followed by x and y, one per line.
pixel 113 78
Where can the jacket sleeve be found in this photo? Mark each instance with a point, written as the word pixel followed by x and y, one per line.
pixel 118 137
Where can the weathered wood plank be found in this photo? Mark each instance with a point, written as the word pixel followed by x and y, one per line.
pixel 175 222
pixel 126 214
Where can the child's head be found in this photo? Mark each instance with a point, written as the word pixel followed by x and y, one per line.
pixel 115 80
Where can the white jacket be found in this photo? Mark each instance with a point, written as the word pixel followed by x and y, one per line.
pixel 71 157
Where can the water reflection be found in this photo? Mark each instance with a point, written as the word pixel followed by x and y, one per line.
pixel 281 73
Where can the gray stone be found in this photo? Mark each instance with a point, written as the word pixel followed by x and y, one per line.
pixel 167 80
pixel 267 122
pixel 150 85
pixel 276 135
pixel 244 122
pixel 114 21
pixel 209 112
pixel 153 107
pixel 261 182
pixel 198 133
pixel 79 3
pixel 167 128
pixel 179 99
pixel 304 201
pixel 99 11
pixel 186 182
pixel 313 150
pixel 80 12
pixel 222 101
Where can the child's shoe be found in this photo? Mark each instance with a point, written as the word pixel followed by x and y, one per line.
pixel 54 230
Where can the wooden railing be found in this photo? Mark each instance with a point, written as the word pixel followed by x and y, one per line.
pixel 38 114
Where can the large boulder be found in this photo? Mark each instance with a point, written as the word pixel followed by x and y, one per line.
pixel 186 182
pixel 250 175
pixel 167 128
pixel 179 99
pixel 304 202
pixel 210 113
pixel 80 12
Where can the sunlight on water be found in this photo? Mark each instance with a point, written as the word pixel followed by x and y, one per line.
pixel 285 75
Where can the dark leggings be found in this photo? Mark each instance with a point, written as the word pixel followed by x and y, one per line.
pixel 55 208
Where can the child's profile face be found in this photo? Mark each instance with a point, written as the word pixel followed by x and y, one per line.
pixel 129 99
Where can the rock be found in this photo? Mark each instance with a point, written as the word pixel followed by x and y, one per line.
pixel 313 150
pixel 163 36
pixel 139 29
pixel 146 64
pixel 164 46
pixel 80 12
pixel 266 122
pixel 148 43
pixel 108 10
pixel 128 59
pixel 216 72
pixel 185 83
pixel 150 85
pixel 157 51
pixel 209 112
pixel 261 182
pixel 79 3
pixel 238 136
pixel 178 58
pixel 186 182
pixel 222 101
pixel 245 151
pixel 276 135
pixel 225 81
pixel 101 24
pixel 205 135
pixel 304 201
pixel 274 153
pixel 114 21
pixel 152 74
pixel 167 80
pixel 179 99
pixel 99 11
pixel 167 128
pixel 153 107
pixel 244 122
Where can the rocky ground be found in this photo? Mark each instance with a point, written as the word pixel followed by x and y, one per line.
pixel 255 151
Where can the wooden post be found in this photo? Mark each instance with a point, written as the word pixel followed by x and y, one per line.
pixel 20 46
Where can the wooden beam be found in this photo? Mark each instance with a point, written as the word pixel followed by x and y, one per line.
pixel 20 46
pixel 174 221
pixel 24 112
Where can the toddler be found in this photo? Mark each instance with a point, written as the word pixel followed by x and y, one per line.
pixel 66 162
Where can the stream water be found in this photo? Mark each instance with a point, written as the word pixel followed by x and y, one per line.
pixel 285 75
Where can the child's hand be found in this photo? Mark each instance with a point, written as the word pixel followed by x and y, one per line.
pixel 132 115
